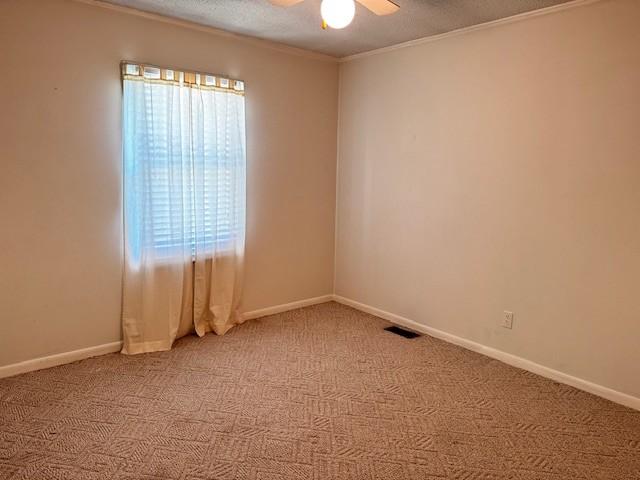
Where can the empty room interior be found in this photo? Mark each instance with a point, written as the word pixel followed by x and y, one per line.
pixel 320 239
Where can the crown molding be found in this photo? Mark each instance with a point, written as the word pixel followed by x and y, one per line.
pixel 473 28
pixel 287 49
pixel 258 42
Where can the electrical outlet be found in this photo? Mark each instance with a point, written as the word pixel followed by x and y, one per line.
pixel 507 319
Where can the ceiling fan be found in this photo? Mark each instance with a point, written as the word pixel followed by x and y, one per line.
pixel 340 13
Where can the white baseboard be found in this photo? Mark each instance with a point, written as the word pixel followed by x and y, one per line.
pixel 75 355
pixel 599 390
pixel 285 307
pixel 58 359
pixel 608 393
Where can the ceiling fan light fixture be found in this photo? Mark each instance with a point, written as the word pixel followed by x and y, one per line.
pixel 338 13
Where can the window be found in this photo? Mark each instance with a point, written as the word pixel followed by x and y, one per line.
pixel 184 163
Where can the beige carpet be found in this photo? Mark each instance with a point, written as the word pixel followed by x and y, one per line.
pixel 318 393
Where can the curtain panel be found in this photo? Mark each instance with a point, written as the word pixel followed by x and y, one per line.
pixel 184 205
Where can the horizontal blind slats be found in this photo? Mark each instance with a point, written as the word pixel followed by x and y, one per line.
pixel 189 164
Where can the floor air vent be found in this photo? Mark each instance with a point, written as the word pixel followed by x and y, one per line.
pixel 402 332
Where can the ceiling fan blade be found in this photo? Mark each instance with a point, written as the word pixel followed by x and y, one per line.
pixel 380 7
pixel 284 3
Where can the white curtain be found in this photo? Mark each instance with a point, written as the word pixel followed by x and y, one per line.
pixel 184 209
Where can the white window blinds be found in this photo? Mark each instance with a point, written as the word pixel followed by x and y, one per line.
pixel 184 163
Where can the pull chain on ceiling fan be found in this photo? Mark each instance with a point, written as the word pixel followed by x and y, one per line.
pixel 340 13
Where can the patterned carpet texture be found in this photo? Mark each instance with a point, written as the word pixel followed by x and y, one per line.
pixel 317 393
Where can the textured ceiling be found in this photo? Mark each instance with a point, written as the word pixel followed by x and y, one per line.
pixel 299 25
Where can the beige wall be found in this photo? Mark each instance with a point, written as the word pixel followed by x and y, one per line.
pixel 60 167
pixel 500 170
pixel 494 170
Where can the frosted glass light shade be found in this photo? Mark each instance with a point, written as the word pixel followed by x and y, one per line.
pixel 338 13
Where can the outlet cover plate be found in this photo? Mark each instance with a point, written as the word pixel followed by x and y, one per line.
pixel 507 319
